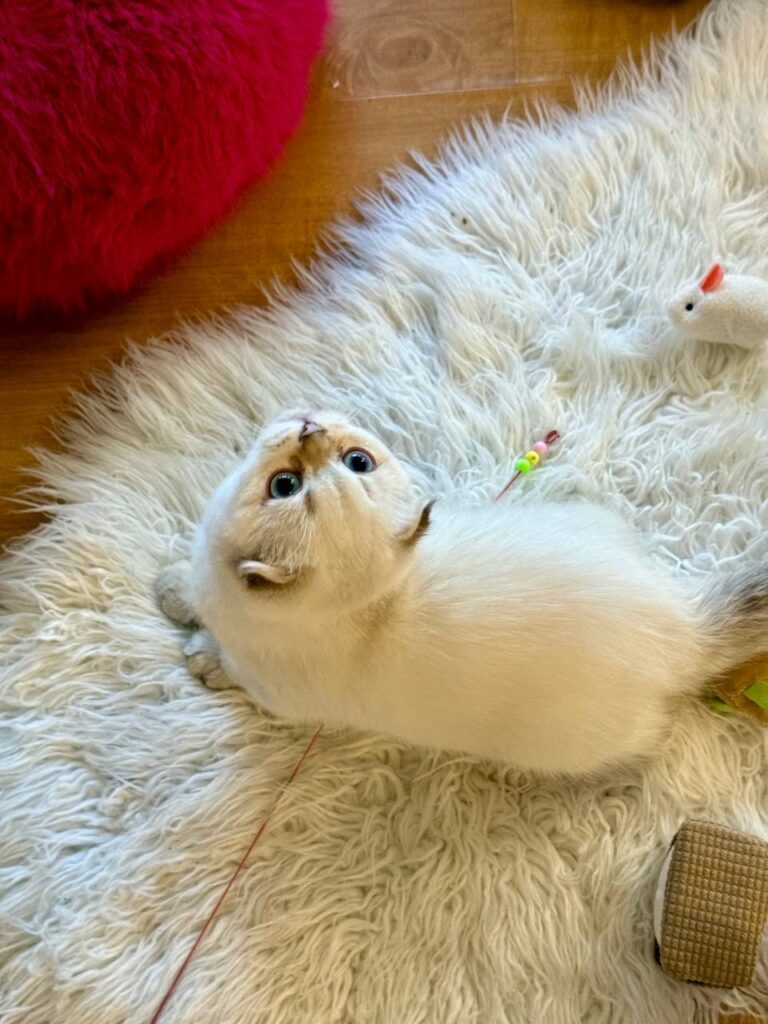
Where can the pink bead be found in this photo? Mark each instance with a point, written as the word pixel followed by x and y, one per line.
pixel 541 447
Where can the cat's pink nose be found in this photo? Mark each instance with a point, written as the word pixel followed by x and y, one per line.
pixel 309 428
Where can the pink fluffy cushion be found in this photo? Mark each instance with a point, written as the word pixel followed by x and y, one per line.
pixel 128 126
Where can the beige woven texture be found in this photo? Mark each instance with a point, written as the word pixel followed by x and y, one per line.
pixel 715 905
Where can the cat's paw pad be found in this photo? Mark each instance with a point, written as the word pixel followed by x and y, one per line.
pixel 203 661
pixel 171 590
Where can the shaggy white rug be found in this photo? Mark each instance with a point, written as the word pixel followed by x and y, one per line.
pixel 515 285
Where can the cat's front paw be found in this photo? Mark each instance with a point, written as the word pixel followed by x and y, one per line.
pixel 172 592
pixel 204 662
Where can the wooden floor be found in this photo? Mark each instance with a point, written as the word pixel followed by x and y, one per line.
pixel 396 76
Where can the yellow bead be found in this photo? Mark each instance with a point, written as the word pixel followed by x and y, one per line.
pixel 533 457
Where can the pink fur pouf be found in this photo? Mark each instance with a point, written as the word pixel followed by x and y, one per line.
pixel 127 127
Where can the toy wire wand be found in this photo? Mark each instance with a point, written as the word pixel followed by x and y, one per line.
pixel 523 465
pixel 530 460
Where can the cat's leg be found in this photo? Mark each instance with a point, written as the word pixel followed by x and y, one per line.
pixel 204 661
pixel 172 590
pixel 201 652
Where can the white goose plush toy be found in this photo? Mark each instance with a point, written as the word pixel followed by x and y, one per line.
pixel 727 308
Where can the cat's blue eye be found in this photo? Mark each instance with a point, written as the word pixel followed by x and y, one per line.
pixel 359 461
pixel 284 484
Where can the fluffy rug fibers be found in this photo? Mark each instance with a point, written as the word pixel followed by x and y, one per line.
pixel 516 284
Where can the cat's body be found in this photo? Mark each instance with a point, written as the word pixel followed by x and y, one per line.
pixel 542 636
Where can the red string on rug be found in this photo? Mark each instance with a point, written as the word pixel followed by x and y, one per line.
pixel 523 465
pixel 233 878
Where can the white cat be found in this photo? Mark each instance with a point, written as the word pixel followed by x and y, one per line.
pixel 541 636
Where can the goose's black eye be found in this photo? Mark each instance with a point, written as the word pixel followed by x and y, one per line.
pixel 284 484
pixel 688 306
pixel 359 461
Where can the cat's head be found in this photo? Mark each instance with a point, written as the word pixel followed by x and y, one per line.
pixel 320 511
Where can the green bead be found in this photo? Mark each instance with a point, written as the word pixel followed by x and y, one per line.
pixel 523 466
pixel 758 693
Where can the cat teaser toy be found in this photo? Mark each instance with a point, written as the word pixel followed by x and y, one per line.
pixel 530 460
pixel 725 308
pixel 523 466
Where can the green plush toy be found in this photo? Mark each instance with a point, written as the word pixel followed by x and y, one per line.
pixel 745 690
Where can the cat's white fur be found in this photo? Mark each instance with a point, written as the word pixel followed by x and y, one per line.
pixel 541 636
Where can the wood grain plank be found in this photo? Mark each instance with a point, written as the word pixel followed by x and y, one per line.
pixel 585 37
pixel 399 47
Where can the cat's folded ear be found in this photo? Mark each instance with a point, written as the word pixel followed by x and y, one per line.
pixel 260 574
pixel 417 526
